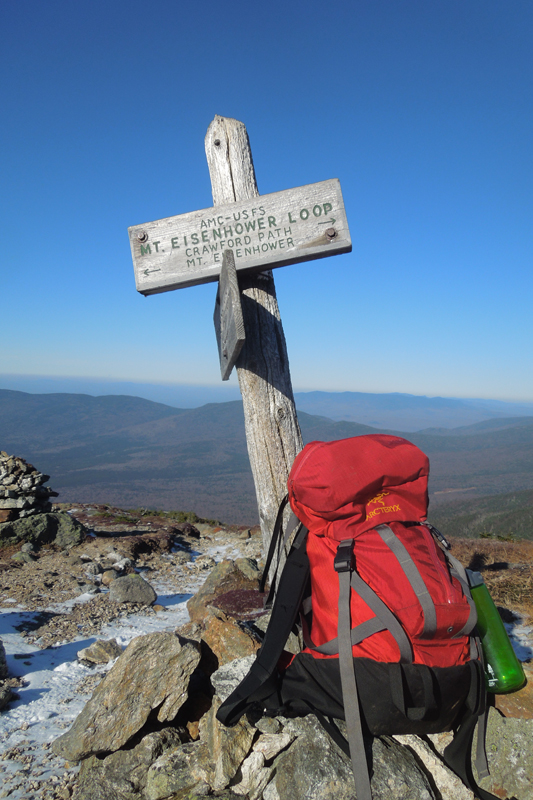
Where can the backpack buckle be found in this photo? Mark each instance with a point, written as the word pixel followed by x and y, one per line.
pixel 344 555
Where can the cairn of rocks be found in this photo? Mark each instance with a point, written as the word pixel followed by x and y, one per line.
pixel 22 493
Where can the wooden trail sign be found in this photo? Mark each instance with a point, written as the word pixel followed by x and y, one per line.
pixel 272 230
pixel 229 324
pixel 318 228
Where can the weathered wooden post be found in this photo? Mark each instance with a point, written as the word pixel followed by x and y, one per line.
pixel 272 431
pixel 238 241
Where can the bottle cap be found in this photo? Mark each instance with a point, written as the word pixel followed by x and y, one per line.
pixel 474 578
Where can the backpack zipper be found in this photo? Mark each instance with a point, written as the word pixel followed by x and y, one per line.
pixel 451 593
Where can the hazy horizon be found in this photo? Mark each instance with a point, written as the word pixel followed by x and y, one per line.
pixel 227 391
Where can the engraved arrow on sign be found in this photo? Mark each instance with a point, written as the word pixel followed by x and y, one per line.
pixel 190 246
pixel 148 271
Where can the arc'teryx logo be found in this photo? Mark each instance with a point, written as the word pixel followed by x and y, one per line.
pixel 382 508
pixel 379 498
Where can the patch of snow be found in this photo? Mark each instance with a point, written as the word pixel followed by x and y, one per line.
pixel 521 636
pixel 48 703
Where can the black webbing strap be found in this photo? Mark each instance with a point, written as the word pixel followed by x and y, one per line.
pixel 482 711
pixel 278 542
pixel 274 542
pixel 414 577
pixel 262 678
pixel 457 754
pixel 415 713
pixel 343 566
pixel 330 727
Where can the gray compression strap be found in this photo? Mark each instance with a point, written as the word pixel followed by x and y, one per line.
pixel 481 762
pixel 307 605
pixel 414 577
pixel 459 572
pixel 348 684
pixel 357 634
pixel 386 616
pixel 300 538
pixel 292 524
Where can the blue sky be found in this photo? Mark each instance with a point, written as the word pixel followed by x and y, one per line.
pixel 421 108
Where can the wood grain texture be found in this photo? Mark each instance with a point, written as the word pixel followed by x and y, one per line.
pixel 272 431
pixel 272 230
pixel 229 324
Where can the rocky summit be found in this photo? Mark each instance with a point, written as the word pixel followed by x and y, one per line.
pixel 136 742
pixel 149 730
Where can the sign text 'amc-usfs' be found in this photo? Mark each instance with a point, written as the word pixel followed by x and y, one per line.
pixel 269 231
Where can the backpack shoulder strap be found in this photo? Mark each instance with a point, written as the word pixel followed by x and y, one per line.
pixel 262 679
pixel 343 568
pixel 277 541
pixel 274 542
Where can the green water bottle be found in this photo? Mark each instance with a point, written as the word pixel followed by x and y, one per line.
pixel 503 670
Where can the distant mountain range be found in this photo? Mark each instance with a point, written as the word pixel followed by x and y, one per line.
pixel 407 412
pixel 132 452
pixel 402 412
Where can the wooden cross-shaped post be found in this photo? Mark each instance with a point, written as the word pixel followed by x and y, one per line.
pixel 261 232
pixel 272 431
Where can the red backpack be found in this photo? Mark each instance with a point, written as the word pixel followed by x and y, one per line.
pixel 385 611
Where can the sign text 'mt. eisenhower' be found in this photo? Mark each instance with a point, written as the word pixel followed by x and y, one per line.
pixel 268 231
pixel 247 232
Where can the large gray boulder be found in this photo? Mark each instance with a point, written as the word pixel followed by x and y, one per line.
pixel 296 759
pixel 132 589
pixel 58 528
pixel 313 768
pixel 226 747
pixel 510 756
pixel 152 674
pixel 179 774
pixel 123 774
pixel 227 576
